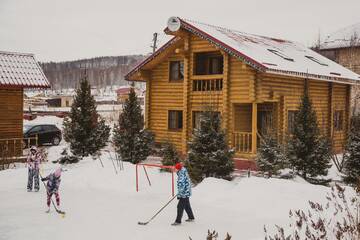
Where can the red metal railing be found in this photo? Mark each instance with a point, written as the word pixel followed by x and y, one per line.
pixel 147 176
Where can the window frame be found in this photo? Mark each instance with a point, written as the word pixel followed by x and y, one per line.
pixel 314 59
pixel 280 54
pixel 291 127
pixel 178 116
pixel 338 124
pixel 208 60
pixel 200 112
pixel 179 72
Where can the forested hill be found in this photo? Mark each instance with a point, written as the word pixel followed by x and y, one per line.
pixel 101 71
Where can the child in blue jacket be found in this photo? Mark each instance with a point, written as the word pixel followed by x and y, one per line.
pixel 184 192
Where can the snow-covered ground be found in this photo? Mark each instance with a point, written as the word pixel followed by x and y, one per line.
pixel 101 204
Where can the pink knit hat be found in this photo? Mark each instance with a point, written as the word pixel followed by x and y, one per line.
pixel 58 172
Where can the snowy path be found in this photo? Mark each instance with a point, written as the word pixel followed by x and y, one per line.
pixel 102 205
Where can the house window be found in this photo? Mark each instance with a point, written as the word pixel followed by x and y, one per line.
pixel 291 121
pixel 338 120
pixel 280 54
pixel 197 117
pixel 265 122
pixel 175 120
pixel 176 71
pixel 316 60
pixel 208 85
pixel 208 63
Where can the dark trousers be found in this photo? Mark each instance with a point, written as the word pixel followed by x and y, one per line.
pixel 33 175
pixel 57 197
pixel 184 203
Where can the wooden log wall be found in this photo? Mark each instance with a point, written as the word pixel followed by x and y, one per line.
pixel 165 96
pixel 11 113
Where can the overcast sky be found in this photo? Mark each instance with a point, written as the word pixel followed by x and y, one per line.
pixel 58 30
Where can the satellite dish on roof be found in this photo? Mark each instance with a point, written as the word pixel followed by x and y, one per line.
pixel 173 24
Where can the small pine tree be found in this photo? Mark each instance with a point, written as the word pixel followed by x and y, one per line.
pixel 308 152
pixel 270 158
pixel 134 143
pixel 209 154
pixel 169 154
pixel 352 153
pixel 84 129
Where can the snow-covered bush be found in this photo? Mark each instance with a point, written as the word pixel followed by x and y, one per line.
pixel 67 158
pixel 209 154
pixel 214 236
pixel 352 153
pixel 169 154
pixel 270 157
pixel 307 151
pixel 337 219
pixel 84 129
pixel 133 142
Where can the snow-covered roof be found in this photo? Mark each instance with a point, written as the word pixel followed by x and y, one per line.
pixel 265 54
pixel 343 38
pixel 21 69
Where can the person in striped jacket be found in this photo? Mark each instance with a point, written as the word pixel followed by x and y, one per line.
pixel 33 162
pixel 184 193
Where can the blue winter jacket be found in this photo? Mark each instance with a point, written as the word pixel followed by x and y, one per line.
pixel 183 183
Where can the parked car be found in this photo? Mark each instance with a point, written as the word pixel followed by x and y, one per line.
pixel 47 133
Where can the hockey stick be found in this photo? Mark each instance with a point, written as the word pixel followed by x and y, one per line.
pixel 144 223
pixel 47 191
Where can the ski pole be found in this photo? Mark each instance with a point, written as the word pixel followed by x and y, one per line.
pixel 112 160
pixel 144 223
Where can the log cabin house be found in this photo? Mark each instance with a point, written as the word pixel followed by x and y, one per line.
pixel 17 71
pixel 254 82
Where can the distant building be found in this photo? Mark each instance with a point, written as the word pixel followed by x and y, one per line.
pixel 60 101
pixel 343 47
pixel 123 94
pixel 17 72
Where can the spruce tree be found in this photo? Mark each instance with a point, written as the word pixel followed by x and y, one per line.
pixel 308 152
pixel 270 158
pixel 169 154
pixel 84 129
pixel 134 143
pixel 209 154
pixel 352 153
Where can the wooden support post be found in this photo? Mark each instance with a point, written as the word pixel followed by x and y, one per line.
pixel 254 128
pixel 186 89
pixel 331 110
pixel 147 104
pixel 225 92
pixel 348 110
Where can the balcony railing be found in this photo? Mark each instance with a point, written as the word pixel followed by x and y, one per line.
pixel 11 149
pixel 242 142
